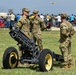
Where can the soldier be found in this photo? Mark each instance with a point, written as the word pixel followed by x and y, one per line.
pixel 23 25
pixel 66 33
pixel 36 25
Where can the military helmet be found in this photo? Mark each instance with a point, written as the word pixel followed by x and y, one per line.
pixel 63 15
pixel 35 11
pixel 25 10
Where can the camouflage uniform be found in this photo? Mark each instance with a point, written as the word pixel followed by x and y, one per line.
pixel 66 32
pixel 36 25
pixel 24 24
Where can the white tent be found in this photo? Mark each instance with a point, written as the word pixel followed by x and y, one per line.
pixel 3 14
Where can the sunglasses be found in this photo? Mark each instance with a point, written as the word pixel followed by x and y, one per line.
pixel 27 11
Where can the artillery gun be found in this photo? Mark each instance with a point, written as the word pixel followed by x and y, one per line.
pixel 30 53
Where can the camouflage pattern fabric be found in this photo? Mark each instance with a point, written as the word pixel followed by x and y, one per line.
pixel 36 25
pixel 66 33
pixel 24 26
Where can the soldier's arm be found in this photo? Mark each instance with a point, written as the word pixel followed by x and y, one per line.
pixel 19 23
pixel 43 25
pixel 64 30
pixel 72 31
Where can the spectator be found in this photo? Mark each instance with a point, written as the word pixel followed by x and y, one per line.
pixel 42 17
pixel 1 21
pixel 49 24
pixel 18 17
pixel 8 19
pixel 47 17
pixel 12 20
pixel 53 20
pixel 59 20
pixel 72 18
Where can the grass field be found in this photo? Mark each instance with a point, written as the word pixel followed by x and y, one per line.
pixel 50 41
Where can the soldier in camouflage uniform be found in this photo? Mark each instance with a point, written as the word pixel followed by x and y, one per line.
pixel 36 25
pixel 24 25
pixel 66 33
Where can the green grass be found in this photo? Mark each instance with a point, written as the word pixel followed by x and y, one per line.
pixel 50 41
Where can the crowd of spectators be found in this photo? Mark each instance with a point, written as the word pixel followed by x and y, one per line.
pixel 55 20
pixel 9 21
pixel 50 20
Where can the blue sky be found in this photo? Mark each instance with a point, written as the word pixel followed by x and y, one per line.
pixel 44 6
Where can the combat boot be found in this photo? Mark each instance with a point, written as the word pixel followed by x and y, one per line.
pixel 27 65
pixel 65 67
pixel 69 65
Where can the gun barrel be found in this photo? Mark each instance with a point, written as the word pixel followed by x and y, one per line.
pixel 21 38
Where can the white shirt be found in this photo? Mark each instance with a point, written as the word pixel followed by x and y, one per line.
pixel 59 18
pixel 12 17
pixel 42 17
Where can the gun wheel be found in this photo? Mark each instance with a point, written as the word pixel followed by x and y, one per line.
pixel 10 58
pixel 46 60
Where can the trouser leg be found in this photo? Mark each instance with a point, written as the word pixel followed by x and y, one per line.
pixel 64 52
pixel 69 56
pixel 39 41
pixel 38 38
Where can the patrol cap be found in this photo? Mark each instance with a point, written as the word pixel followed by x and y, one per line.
pixel 35 11
pixel 25 10
pixel 63 15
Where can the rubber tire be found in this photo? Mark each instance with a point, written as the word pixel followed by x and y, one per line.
pixel 6 56
pixel 42 60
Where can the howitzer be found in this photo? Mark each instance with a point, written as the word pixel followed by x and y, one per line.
pixel 28 46
pixel 23 39
pixel 30 53
pixel 58 57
